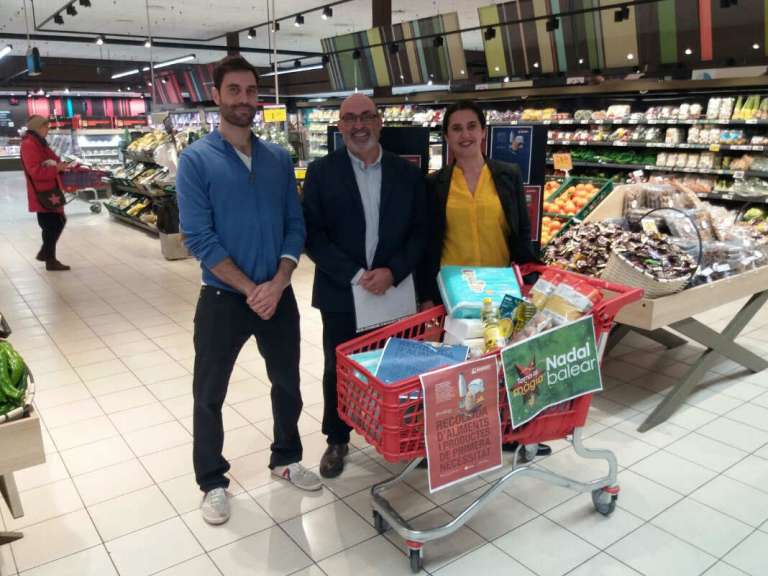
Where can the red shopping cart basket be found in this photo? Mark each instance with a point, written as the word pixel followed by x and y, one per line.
pixel 390 416
pixel 80 178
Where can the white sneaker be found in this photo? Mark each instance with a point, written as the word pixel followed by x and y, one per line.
pixel 215 506
pixel 299 476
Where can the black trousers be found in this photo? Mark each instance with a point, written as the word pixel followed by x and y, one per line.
pixel 52 224
pixel 337 329
pixel 223 324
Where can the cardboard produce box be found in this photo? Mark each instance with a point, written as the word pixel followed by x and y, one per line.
pixel 21 444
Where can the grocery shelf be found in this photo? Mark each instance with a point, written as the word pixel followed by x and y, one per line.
pixel 140 156
pixel 681 146
pixel 628 122
pixel 130 220
pixel 726 196
pixel 654 168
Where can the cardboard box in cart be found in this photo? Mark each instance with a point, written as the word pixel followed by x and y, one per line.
pixel 650 314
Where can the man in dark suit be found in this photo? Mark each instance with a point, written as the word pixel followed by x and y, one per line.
pixel 364 210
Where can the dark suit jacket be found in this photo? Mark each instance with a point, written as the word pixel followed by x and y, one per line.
pixel 333 213
pixel 509 187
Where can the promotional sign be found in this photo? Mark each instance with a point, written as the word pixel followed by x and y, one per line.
pixel 408 142
pixel 525 146
pixel 533 200
pixel 462 427
pixel 275 113
pixel 551 368
pixel 563 161
pixel 513 144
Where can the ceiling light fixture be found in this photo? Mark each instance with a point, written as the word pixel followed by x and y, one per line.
pixel 124 74
pixel 276 27
pixel 437 42
pixel 535 64
pixel 326 59
pixel 462 72
pixel 356 54
pixel 58 19
pixel 755 46
pixel 496 68
pixel 148 43
pixel 293 70
pixel 490 33
pixel 299 21
pixel 621 14
pixel 327 13
pixel 630 56
pixel 99 40
pixel 164 64
pixel 71 10
pixel 553 24
pixel 297 63
pixel 251 33
pixel 394 48
pixel 581 60
pixel 688 51
pixel 85 3
pixel 5 50
pixel 728 3
pixel 506 78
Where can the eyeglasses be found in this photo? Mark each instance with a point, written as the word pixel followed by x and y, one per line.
pixel 364 118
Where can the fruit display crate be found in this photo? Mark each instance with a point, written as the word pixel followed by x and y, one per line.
pixel 595 191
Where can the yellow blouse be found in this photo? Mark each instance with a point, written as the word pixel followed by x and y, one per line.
pixel 476 230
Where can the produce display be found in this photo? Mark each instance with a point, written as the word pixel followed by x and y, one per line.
pixel 14 376
pixel 147 143
pixel 576 197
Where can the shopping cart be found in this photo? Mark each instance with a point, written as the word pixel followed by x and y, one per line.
pixel 78 181
pixel 390 418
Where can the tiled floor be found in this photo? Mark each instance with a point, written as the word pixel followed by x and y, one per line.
pixel 110 345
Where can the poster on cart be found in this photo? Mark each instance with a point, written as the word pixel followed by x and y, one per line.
pixel 462 425
pixel 551 368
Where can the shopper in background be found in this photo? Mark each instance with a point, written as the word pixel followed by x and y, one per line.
pixel 477 210
pixel 41 166
pixel 241 216
pixel 364 208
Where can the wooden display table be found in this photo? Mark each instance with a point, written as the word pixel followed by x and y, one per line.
pixel 21 446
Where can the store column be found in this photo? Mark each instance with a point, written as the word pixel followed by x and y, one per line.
pixel 382 16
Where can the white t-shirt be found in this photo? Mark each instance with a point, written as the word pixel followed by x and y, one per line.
pixel 245 158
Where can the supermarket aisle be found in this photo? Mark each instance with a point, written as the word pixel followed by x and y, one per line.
pixel 110 346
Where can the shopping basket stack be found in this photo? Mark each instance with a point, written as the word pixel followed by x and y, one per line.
pixel 390 416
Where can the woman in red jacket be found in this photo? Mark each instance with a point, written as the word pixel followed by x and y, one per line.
pixel 42 165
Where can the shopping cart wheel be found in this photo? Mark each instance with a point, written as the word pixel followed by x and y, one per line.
pixel 417 560
pixel 96 207
pixel 604 500
pixel 379 523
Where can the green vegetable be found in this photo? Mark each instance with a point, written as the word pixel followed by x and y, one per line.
pixel 7 390
pixel 16 365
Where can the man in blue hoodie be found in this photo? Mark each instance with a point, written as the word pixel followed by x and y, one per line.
pixel 240 213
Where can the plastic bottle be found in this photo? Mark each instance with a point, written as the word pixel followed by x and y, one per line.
pixel 492 334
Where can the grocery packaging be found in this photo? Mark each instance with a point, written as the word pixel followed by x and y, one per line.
pixel 463 288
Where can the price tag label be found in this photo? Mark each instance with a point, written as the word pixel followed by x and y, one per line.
pixel 752 121
pixel 714 147
pixel 277 113
pixel 582 143
pixel 721 267
pixel 650 227
pixel 621 143
pixel 563 161
pixel 739 174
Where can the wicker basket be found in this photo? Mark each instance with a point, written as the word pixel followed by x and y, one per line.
pixel 621 271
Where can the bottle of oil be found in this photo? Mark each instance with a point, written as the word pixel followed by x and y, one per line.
pixel 492 333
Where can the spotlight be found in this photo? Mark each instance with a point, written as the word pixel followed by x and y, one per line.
pixel 728 3
pixel 147 43
pixel 326 58
pixel 755 46
pixel 630 56
pixel 496 69
pixel 85 3
pixel 636 69
pixel 581 60
pixel 535 64
pixel 688 51
pixel 296 63
pixel 58 19
pixel 553 24
pixel 621 14
pixel 299 21
pixel 276 27
pixel 437 42
pixel 506 78
pixel 490 33
pixel 100 40
pixel 251 33
pixel 430 83
pixel 462 72
pixel 356 54
pixel 5 50
pixel 394 48
pixel 71 10
pixel 327 13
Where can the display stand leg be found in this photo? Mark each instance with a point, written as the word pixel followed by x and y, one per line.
pixel 617 335
pixel 663 337
pixel 11 494
pixel 721 344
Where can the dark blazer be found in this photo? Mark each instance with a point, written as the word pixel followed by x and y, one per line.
pixel 509 187
pixel 333 213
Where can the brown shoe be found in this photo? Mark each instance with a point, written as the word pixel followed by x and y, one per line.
pixel 332 462
pixel 56 266
pixel 40 256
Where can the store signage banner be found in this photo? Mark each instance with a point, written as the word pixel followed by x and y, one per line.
pixel 551 368
pixel 533 200
pixel 462 425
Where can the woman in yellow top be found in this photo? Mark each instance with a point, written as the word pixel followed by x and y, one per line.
pixel 479 214
pixel 477 207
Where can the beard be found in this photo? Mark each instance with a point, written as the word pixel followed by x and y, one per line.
pixel 357 145
pixel 241 115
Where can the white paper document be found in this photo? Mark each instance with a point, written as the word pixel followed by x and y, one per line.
pixel 372 311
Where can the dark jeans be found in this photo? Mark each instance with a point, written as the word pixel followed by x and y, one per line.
pixel 223 324
pixel 337 329
pixel 52 224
